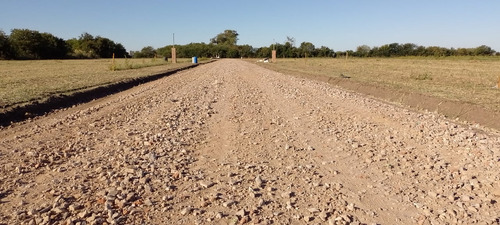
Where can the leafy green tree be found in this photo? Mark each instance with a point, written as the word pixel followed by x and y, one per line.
pixel 228 37
pixel 263 52
pixel 306 49
pixel 31 44
pixel 120 51
pixel 324 52
pixel 483 50
pixel 389 50
pixel 104 47
pixel 5 49
pixel 27 44
pixel 408 49
pixel 53 47
pixel 84 46
pixel 363 51
pixel 232 52
pixel 246 51
pixel 288 51
pixel 218 50
pixel 88 46
pixel 437 51
pixel 419 51
pixel 146 52
pixel 464 52
pixel 165 51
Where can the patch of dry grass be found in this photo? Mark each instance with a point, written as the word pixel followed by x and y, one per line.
pixel 461 79
pixel 26 81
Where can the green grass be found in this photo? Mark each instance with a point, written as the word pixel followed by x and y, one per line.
pixel 34 80
pixel 463 79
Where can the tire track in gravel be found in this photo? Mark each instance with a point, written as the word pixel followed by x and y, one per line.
pixel 425 155
pixel 290 123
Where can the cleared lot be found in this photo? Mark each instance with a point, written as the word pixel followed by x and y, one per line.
pixel 230 142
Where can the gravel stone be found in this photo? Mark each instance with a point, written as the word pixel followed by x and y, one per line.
pixel 213 136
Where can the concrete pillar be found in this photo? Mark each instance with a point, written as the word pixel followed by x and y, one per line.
pixel 273 58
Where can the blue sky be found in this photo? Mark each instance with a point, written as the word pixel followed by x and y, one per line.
pixel 340 25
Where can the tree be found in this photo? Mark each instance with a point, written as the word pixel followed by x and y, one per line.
pixel 484 50
pixel 104 47
pixel 388 50
pixel 263 52
pixel 290 40
pixel 228 37
pixel 146 52
pixel 324 52
pixel 419 51
pixel 288 49
pixel 363 51
pixel 464 52
pixel 437 51
pixel 53 47
pixel 120 51
pixel 31 44
pixel 5 49
pixel 165 51
pixel 246 51
pixel 394 49
pixel 84 46
pixel 27 44
pixel 88 46
pixel 408 49
pixel 306 49
pixel 232 52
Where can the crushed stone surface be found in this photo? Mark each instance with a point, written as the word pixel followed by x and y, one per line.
pixel 233 143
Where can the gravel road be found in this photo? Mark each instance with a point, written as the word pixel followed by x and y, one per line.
pixel 232 143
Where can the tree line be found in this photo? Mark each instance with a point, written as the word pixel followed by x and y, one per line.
pixel 31 44
pixel 224 45
pixel 410 49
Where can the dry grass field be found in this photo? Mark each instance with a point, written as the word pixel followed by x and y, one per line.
pixel 467 80
pixel 25 81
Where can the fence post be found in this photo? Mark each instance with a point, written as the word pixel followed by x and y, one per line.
pixel 174 55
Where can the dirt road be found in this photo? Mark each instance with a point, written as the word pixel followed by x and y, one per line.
pixel 232 143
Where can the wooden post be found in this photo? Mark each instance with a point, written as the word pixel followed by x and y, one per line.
pixel 273 56
pixel 498 83
pixel 113 65
pixel 174 55
pixel 345 62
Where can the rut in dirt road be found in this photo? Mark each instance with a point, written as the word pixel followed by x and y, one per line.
pixel 232 143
